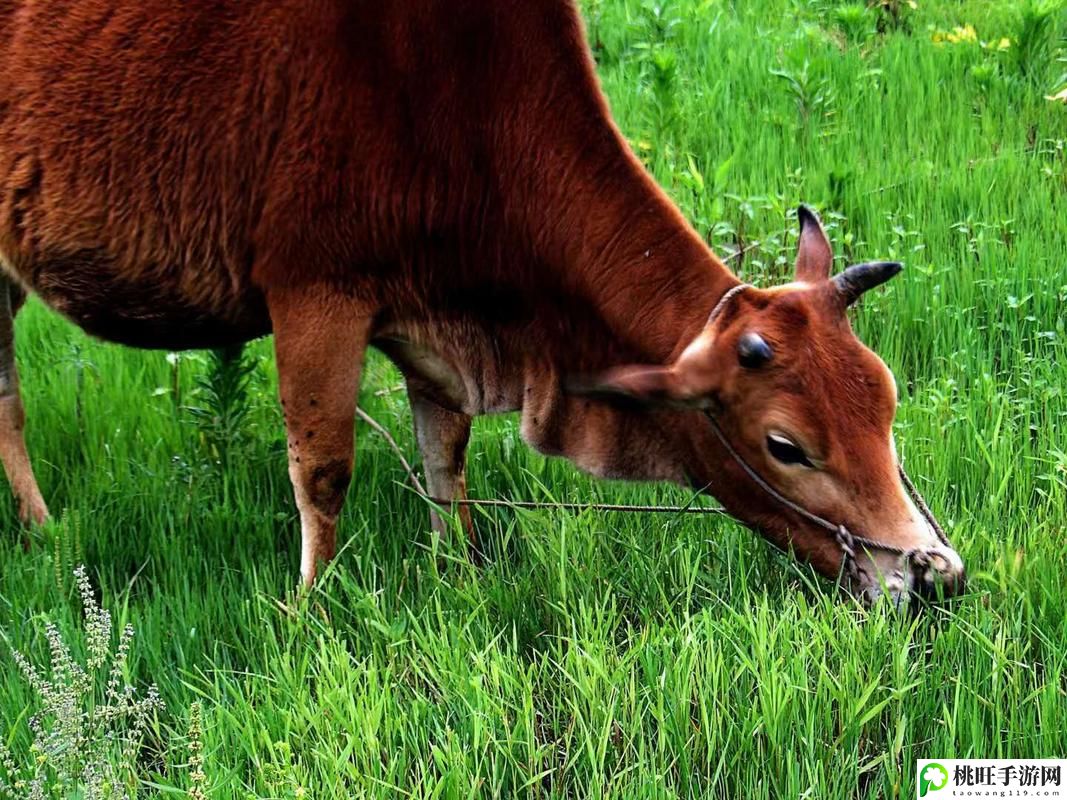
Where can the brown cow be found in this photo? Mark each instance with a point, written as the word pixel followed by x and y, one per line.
pixel 441 179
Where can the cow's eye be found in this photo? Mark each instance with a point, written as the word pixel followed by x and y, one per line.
pixel 787 451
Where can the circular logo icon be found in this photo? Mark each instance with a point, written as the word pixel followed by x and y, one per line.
pixel 933 777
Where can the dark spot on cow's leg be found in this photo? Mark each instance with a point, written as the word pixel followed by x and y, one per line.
pixel 328 485
pixel 310 434
pixel 459 454
pixel 314 402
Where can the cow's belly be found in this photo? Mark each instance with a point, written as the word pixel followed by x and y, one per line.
pixel 150 307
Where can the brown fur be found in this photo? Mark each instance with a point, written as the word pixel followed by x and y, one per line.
pixel 439 178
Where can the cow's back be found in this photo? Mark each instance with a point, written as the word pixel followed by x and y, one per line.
pixel 161 162
pixel 144 147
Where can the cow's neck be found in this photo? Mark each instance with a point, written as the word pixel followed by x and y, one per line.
pixel 621 247
pixel 648 282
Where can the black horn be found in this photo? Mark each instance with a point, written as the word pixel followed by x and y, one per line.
pixel 858 278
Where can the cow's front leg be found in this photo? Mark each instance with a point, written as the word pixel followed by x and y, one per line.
pixel 443 437
pixel 319 341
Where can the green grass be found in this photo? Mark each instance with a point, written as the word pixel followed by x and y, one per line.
pixel 602 654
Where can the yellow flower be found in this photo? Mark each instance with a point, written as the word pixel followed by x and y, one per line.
pixel 961 33
pixel 1004 44
pixel 1060 96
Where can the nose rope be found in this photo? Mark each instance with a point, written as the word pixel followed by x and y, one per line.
pixel 845 539
pixel 920 503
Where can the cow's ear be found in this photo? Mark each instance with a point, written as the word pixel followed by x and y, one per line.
pixel 647 385
pixel 814 256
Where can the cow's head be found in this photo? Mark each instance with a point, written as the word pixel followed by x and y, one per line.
pixel 810 409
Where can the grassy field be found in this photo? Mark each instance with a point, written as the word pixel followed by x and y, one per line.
pixel 599 654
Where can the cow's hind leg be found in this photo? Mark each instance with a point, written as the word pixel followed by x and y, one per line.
pixel 319 341
pixel 12 416
pixel 443 437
